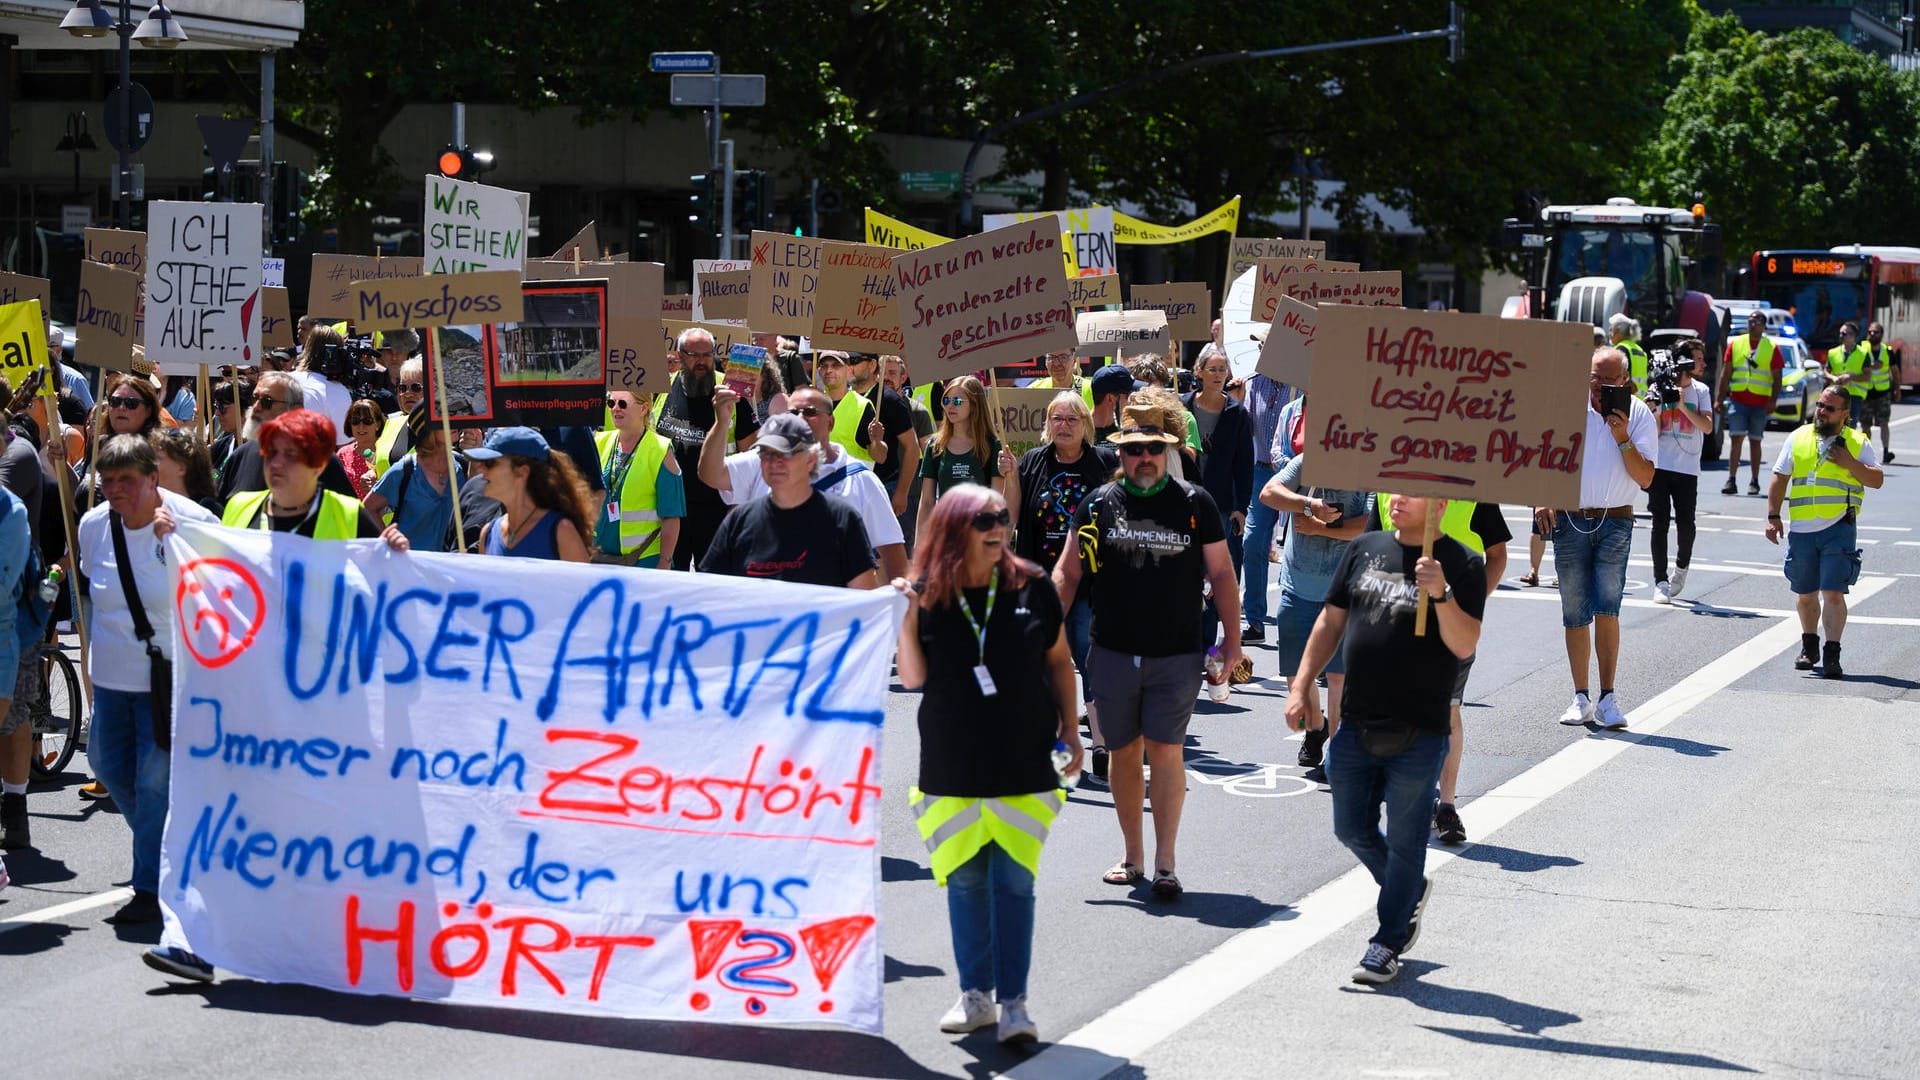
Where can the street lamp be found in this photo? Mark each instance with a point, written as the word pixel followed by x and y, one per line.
pixel 159 30
pixel 77 140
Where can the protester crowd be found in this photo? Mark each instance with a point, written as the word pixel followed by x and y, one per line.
pixel 1130 550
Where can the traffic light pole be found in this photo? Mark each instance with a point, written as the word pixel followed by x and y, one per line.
pixel 726 194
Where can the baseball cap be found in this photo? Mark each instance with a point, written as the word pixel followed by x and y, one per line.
pixel 1113 379
pixel 518 441
pixel 785 433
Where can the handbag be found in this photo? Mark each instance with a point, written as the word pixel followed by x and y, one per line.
pixel 159 668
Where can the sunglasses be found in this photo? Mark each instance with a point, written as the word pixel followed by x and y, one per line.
pixel 119 402
pixel 689 354
pixel 985 520
pixel 271 403
pixel 413 388
pixel 953 402
pixel 1824 407
pixel 808 410
pixel 1151 449
pixel 616 403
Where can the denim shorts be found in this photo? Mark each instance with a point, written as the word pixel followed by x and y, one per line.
pixel 1748 420
pixel 1591 558
pixel 1824 561
pixel 1293 625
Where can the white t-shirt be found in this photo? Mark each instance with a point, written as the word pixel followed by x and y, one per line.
pixel 329 398
pixel 1680 441
pixel 1783 466
pixel 1603 473
pixel 860 487
pixel 118 659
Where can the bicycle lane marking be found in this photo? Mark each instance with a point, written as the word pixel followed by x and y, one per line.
pixel 1158 1011
pixel 61 911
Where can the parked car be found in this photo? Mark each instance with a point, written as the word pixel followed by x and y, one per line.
pixel 1800 385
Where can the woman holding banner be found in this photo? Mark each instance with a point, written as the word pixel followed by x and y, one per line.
pixel 543 498
pixel 964 450
pixel 295 447
pixel 983 639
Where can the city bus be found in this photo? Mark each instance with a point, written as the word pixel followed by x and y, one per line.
pixel 1861 282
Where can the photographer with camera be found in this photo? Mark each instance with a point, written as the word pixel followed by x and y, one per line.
pixel 323 371
pixel 1683 407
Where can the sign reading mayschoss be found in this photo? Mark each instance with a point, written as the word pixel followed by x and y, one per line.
pixel 597 791
pixel 203 285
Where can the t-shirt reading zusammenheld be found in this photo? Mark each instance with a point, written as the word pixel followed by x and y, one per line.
pixel 1395 679
pixel 819 542
pixel 1142 559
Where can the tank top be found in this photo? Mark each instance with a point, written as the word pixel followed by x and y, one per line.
pixel 542 542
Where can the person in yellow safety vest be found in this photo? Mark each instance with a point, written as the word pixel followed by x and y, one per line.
pixel 1623 331
pixel 1749 384
pixel 1883 389
pixel 854 419
pixel 395 440
pixel 639 523
pixel 294 448
pixel 1063 373
pixel 1000 735
pixel 1822 475
pixel 1456 522
pixel 1847 369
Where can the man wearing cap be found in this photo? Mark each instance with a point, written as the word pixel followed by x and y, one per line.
pixel 853 414
pixel 1111 386
pixel 684 415
pixel 889 434
pixel 738 476
pixel 415 494
pixel 640 519
pixel 793 533
pixel 1146 544
pixel 1063 373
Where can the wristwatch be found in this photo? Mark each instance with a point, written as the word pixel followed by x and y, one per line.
pixel 1445 597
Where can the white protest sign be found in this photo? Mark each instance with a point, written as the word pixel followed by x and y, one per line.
pixel 473 227
pixel 203 285
pixel 1106 333
pixel 574 789
pixel 273 273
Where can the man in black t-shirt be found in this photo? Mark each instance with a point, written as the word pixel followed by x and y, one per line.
pixel 1392 738
pixel 793 533
pixel 899 464
pixel 684 418
pixel 1145 544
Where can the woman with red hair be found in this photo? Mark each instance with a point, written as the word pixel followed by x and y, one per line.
pixel 983 638
pixel 294 448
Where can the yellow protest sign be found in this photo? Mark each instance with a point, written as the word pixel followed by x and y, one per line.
pixel 23 341
pixel 1131 230
pixel 894 233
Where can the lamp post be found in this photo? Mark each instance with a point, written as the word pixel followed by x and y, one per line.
pixel 78 139
pixel 159 30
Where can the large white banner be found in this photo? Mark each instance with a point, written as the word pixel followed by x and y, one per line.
pixel 203 285
pixel 527 784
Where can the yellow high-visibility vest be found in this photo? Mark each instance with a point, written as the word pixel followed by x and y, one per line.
pixel 955 828
pixel 1821 490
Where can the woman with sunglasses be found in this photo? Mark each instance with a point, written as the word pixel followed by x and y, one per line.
pixel 982 639
pixel 646 497
pixel 964 450
pixel 364 424
pixel 130 407
pixel 543 500
pixel 395 439
pixel 294 448
pixel 231 400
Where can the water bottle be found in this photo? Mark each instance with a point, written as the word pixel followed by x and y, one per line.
pixel 1062 758
pixel 50 588
pixel 1217 685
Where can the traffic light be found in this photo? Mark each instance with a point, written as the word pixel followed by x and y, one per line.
pixel 703 210
pixel 464 163
pixel 752 200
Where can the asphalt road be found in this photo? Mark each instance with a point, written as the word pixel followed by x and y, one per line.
pixel 1718 889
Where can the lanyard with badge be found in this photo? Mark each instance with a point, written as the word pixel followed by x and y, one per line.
pixel 980 672
pixel 613 483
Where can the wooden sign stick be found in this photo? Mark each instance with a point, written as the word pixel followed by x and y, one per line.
pixel 1427 536
pixel 446 436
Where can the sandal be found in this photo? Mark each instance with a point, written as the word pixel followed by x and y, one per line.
pixel 1165 885
pixel 1123 873
pixel 1530 580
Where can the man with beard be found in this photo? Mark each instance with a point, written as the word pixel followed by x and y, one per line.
pixel 276 394
pixel 684 417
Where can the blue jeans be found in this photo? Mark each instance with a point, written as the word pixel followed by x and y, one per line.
pixel 1261 521
pixel 990 904
pixel 1591 556
pixel 1823 561
pixel 121 750
pixel 1407 784
pixel 1079 629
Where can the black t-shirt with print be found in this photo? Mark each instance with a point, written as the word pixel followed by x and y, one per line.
pixel 1049 494
pixel 896 416
pixel 1142 558
pixel 820 542
pixel 981 747
pixel 1393 677
pixel 685 421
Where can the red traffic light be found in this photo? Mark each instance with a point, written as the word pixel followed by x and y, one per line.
pixel 453 162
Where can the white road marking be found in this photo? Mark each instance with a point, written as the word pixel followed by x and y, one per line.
pixel 1884 528
pixel 61 911
pixel 1906 543
pixel 1686 605
pixel 1151 1015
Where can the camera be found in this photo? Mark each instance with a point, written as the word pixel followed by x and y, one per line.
pixel 1663 378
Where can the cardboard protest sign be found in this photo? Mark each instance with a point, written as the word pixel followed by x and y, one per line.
pixel 883 231
pixel 583 245
pixel 677 306
pixel 20 288
pixel 1188 308
pixel 1367 288
pixel 1287 354
pixel 1093 291
pixel 743 369
pixel 103 316
pixel 1441 404
pixel 1246 251
pixel 489 296
pixel 332 274
pixel 854 309
pixel 1270 282
pixel 1107 333
pixel 1088 234
pixel 23 341
pixel 203 285
pixel 721 295
pixel 785 275
pixel 547 369
pixel 123 249
pixel 1022 416
pixel 995 298
pixel 701 269
pixel 276 319
pixel 478 828
pixel 634 362
pixel 473 227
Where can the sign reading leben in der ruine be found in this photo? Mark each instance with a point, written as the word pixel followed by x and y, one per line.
pixel 490 296
pixel 634 362
pixel 1106 333
pixel 1458 406
pixel 854 309
pixel 1269 283
pixel 103 316
pixel 332 274
pixel 1188 307
pixel 995 298
pixel 784 278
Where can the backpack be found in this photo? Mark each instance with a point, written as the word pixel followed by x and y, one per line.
pixel 32 615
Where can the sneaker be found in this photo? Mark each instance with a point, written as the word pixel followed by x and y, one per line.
pixel 143 908
pixel 177 961
pixel 1579 711
pixel 1830 661
pixel 1662 593
pixel 1753 487
pixel 1888 456
pixel 95 791
pixel 1253 635
pixel 1380 965
pixel 1448 826
pixel 1312 749
pixel 972 1012
pixel 1732 487
pixel 16 829
pixel 1419 911
pixel 1015 1025
pixel 1608 713
pixel 1100 760
pixel 1679 582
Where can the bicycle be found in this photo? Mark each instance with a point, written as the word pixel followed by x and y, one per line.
pixel 58 724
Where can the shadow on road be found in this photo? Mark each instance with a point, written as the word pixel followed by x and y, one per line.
pixel 895 869
pixel 33 938
pixel 900 969
pixel 1232 911
pixel 1682 746
pixel 1514 860
pixel 1550 1045
pixel 1878 680
pixel 28 867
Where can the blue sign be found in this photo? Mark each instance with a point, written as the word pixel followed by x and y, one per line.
pixel 694 62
